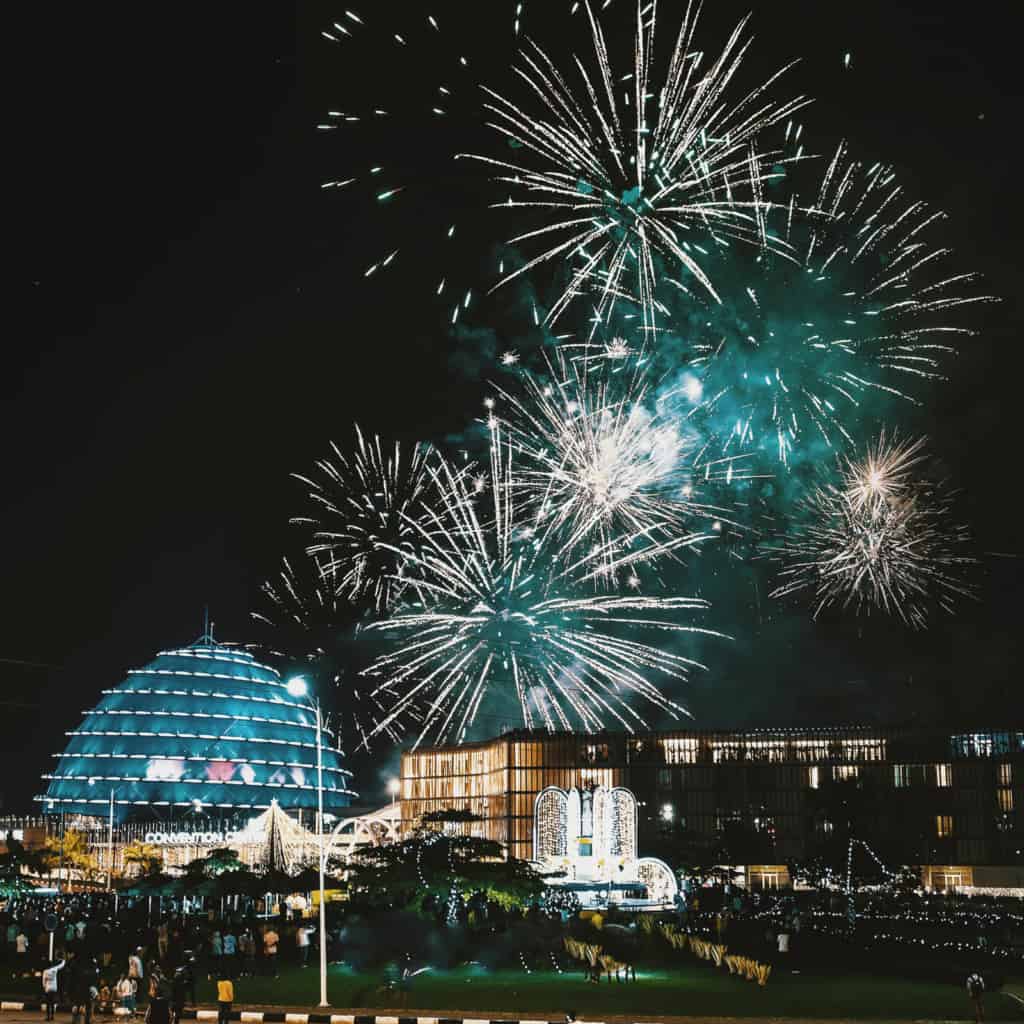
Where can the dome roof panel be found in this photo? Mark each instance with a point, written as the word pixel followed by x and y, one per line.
pixel 207 723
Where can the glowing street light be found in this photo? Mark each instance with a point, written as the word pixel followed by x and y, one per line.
pixel 298 687
pixel 394 788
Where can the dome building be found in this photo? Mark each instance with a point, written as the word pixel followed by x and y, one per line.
pixel 203 729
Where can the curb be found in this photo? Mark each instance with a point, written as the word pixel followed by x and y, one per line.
pixel 283 1017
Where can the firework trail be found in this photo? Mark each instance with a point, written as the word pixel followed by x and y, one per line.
pixel 307 623
pixel 368 503
pixel 604 470
pixel 498 611
pixel 624 178
pixel 881 538
pixel 794 353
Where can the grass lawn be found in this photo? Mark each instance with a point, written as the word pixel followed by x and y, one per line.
pixel 696 991
pixel 689 991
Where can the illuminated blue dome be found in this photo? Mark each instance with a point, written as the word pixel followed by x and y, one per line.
pixel 207 724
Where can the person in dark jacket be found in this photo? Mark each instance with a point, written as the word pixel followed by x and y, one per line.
pixel 81 982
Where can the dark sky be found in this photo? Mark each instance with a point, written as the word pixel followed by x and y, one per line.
pixel 191 324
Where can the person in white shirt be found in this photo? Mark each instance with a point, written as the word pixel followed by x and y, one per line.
pixel 135 968
pixel 302 941
pixel 50 987
pixel 125 991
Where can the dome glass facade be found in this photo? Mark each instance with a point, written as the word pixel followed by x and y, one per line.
pixel 204 728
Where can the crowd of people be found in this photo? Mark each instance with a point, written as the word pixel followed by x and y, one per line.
pixel 110 953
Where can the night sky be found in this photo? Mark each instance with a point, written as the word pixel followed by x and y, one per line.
pixel 191 324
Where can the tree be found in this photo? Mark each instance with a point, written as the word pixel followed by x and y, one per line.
pixel 215 863
pixel 146 857
pixel 73 850
pixel 432 867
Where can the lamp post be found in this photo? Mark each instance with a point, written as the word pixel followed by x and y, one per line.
pixel 297 687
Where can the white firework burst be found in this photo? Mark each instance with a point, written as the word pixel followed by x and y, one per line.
pixel 499 611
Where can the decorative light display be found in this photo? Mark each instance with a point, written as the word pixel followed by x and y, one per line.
pixel 589 836
pixel 224 733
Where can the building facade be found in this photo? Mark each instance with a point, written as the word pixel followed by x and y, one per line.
pixel 201 731
pixel 948 802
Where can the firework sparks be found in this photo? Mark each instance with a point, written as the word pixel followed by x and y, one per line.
pixel 499 611
pixel 600 470
pixel 882 538
pixel 796 349
pixel 305 619
pixel 659 170
pixel 368 502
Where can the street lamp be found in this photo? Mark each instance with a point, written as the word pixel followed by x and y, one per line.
pixel 298 687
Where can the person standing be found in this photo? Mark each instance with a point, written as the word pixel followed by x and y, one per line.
pixel 216 952
pixel 302 941
pixel 230 946
pixel 976 990
pixel 21 951
pixel 135 969
pixel 81 990
pixel 50 987
pixel 125 992
pixel 163 937
pixel 225 997
pixel 270 941
pixel 179 990
pixel 159 998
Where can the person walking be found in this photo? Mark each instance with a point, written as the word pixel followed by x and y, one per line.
pixel 50 987
pixel 225 997
pixel 976 990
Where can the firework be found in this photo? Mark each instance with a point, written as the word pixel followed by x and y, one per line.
pixel 368 503
pixel 604 467
pixel 499 611
pixel 881 538
pixel 797 352
pixel 308 624
pixel 627 176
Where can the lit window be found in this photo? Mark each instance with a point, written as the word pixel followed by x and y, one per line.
pixel 814 777
pixel 1005 798
pixel 1005 775
pixel 846 771
pixel 901 775
pixel 944 825
pixel 943 775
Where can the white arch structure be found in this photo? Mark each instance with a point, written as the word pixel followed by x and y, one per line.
pixel 590 836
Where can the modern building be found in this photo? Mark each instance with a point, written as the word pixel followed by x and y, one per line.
pixel 202 733
pixel 945 801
